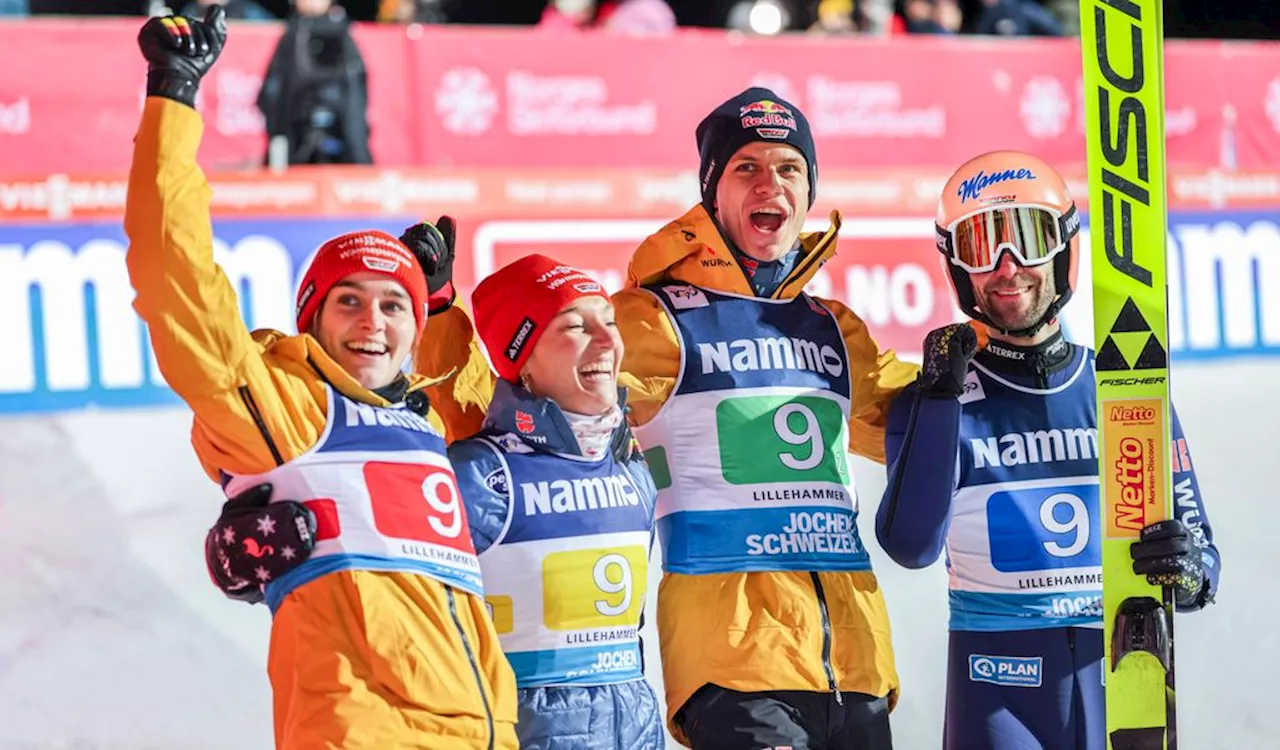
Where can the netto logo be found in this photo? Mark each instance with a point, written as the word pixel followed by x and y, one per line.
pixel 1119 193
pixel 1130 509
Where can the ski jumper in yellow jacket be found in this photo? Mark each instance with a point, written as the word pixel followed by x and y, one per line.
pixel 745 408
pixel 365 652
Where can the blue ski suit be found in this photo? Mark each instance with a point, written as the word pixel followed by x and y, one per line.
pixel 564 542
pixel 1019 518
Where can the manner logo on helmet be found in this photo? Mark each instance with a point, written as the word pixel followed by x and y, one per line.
pixel 587 287
pixel 773 134
pixel 972 188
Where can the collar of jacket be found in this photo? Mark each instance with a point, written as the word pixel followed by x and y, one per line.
pixel 305 349
pixel 690 249
pixel 537 421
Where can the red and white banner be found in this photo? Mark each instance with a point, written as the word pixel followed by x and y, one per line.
pixel 512 98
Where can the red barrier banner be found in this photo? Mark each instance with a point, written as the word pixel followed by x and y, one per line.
pixel 75 106
pixel 458 97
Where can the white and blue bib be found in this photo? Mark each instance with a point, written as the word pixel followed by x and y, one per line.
pixel 566 579
pixel 1023 548
pixel 750 452
pixel 384 495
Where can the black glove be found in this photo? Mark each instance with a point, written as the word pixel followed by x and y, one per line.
pixel 255 542
pixel 179 51
pixel 947 353
pixel 433 246
pixel 1167 554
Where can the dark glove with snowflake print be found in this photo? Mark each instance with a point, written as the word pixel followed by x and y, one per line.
pixel 256 541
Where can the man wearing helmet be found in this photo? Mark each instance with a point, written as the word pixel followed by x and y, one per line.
pixel 1019 515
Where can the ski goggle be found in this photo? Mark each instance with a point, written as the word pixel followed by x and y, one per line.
pixel 1034 234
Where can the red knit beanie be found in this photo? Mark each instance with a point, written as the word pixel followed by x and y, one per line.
pixel 358 252
pixel 514 305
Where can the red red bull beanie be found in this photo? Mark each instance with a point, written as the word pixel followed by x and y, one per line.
pixel 756 114
pixel 514 305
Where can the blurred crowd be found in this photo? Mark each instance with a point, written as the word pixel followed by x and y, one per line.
pixel 643 17
pixel 1217 19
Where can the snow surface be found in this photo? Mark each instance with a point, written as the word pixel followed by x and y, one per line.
pixel 112 637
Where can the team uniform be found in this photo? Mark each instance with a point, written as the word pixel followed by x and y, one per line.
pixel 1019 519
pixel 563 542
pixel 746 407
pixel 381 638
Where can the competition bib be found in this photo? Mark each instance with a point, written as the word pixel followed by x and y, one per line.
pixel 1023 549
pixel 750 451
pixel 385 498
pixel 566 582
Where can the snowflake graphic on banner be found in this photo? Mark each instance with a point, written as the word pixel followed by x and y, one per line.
pixel 1273 103
pixel 466 101
pixel 1045 107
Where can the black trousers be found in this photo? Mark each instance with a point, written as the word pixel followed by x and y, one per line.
pixel 715 718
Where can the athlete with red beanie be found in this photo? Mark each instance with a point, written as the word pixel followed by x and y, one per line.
pixel 561 508
pixel 381 637
pixel 559 504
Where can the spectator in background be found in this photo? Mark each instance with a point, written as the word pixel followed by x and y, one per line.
pixel 412 11
pixel 948 15
pixel 568 15
pixel 244 10
pixel 840 17
pixel 1016 18
pixel 315 95
pixel 635 17
pixel 1068 13
pixel 926 17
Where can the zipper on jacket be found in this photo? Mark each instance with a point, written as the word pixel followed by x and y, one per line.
pixel 904 455
pixel 826 637
pixel 247 397
pixel 471 658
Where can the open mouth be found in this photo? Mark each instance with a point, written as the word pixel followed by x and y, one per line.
pixel 768 220
pixel 367 348
pixel 596 373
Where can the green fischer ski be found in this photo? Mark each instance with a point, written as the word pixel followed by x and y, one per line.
pixel 1122 45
